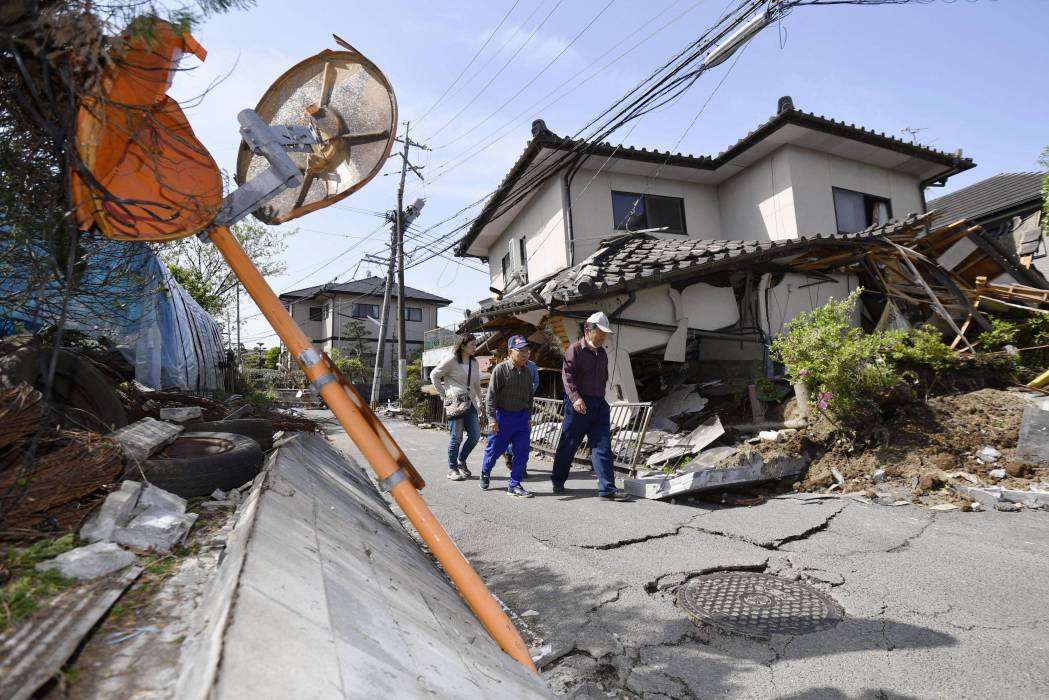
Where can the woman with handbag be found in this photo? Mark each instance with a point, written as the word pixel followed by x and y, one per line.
pixel 457 379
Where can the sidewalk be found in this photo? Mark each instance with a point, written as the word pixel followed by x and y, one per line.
pixel 937 604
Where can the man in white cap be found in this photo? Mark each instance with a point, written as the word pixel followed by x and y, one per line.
pixel 585 374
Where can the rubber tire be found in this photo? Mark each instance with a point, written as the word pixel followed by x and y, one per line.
pixel 78 385
pixel 258 429
pixel 190 467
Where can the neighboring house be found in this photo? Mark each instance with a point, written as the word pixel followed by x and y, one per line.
pixel 688 251
pixel 1008 208
pixel 329 314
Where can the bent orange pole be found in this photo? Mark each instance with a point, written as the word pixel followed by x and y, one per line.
pixel 352 415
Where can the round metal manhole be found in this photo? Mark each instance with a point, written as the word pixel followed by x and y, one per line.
pixel 757 605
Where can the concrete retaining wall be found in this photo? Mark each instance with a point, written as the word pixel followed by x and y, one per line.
pixel 323 593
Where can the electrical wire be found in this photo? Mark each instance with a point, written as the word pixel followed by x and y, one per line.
pixel 470 63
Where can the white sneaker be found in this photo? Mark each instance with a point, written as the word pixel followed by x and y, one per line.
pixel 455 475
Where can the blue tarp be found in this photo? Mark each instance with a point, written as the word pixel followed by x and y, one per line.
pixel 127 295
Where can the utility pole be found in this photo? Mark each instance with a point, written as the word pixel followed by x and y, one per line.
pixel 238 326
pixel 402 219
pixel 383 319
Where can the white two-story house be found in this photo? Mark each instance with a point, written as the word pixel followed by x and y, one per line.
pixel 344 316
pixel 684 250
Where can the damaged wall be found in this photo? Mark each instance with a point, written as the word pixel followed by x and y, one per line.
pixel 797 292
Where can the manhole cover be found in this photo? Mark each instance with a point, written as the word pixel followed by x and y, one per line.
pixel 757 605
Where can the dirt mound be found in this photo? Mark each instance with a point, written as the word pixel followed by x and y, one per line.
pixel 935 442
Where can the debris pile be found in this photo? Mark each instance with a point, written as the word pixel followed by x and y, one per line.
pixel 954 450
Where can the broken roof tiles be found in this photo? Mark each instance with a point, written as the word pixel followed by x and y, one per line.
pixel 641 260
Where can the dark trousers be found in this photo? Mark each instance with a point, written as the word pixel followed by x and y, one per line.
pixel 596 427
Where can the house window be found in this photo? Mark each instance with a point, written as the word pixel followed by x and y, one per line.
pixel 506 268
pixel 413 313
pixel 365 310
pixel 632 211
pixel 316 313
pixel 855 211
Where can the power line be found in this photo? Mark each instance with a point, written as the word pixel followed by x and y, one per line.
pixel 508 127
pixel 667 82
pixel 497 73
pixel 470 63
pixel 534 78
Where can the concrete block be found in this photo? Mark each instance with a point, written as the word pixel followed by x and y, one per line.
pixel 996 474
pixel 182 414
pixel 143 438
pixel 116 511
pixel 90 561
pixel 157 530
pixel 1033 445
pixel 154 497
pixel 988 454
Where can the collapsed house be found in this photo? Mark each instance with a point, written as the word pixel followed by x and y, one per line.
pixel 700 262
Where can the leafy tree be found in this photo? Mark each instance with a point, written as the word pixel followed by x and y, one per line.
pixel 272 357
pixel 352 367
pixel 201 269
pixel 356 331
pixel 51 60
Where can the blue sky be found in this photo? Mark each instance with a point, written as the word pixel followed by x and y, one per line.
pixel 970 75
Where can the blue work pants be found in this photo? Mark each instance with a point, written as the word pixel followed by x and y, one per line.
pixel 459 449
pixel 595 425
pixel 513 430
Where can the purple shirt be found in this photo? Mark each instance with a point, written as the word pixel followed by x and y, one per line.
pixel 585 371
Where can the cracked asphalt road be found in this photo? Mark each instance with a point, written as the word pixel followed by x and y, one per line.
pixel 938 605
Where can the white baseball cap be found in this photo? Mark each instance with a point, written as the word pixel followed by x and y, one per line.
pixel 601 321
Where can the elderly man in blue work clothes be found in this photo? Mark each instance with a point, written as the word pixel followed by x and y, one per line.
pixel 585 374
pixel 509 411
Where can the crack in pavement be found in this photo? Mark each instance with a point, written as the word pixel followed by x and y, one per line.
pixel 637 540
pixel 910 538
pixel 775 544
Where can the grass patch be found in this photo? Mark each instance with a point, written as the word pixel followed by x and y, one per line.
pixel 26 588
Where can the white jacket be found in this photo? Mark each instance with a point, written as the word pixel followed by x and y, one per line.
pixel 451 373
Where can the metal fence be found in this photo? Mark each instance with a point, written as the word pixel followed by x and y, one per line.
pixel 629 424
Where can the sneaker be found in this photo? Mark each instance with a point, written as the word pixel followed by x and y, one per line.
pixel 465 471
pixel 455 475
pixel 614 496
pixel 484 481
pixel 560 489
pixel 518 491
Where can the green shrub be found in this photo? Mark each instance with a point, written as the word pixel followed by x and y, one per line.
pixel 848 372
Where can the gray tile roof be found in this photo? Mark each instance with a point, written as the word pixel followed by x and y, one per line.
pixel 635 261
pixel 369 286
pixel 986 198
pixel 544 138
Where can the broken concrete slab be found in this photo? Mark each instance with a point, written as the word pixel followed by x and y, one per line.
pixel 684 399
pixel 156 497
pixel 90 561
pixel 1033 444
pixel 988 454
pixel 678 446
pixel 739 467
pixel 116 511
pixel 143 438
pixel 156 529
pixel 182 414
pixel 994 495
